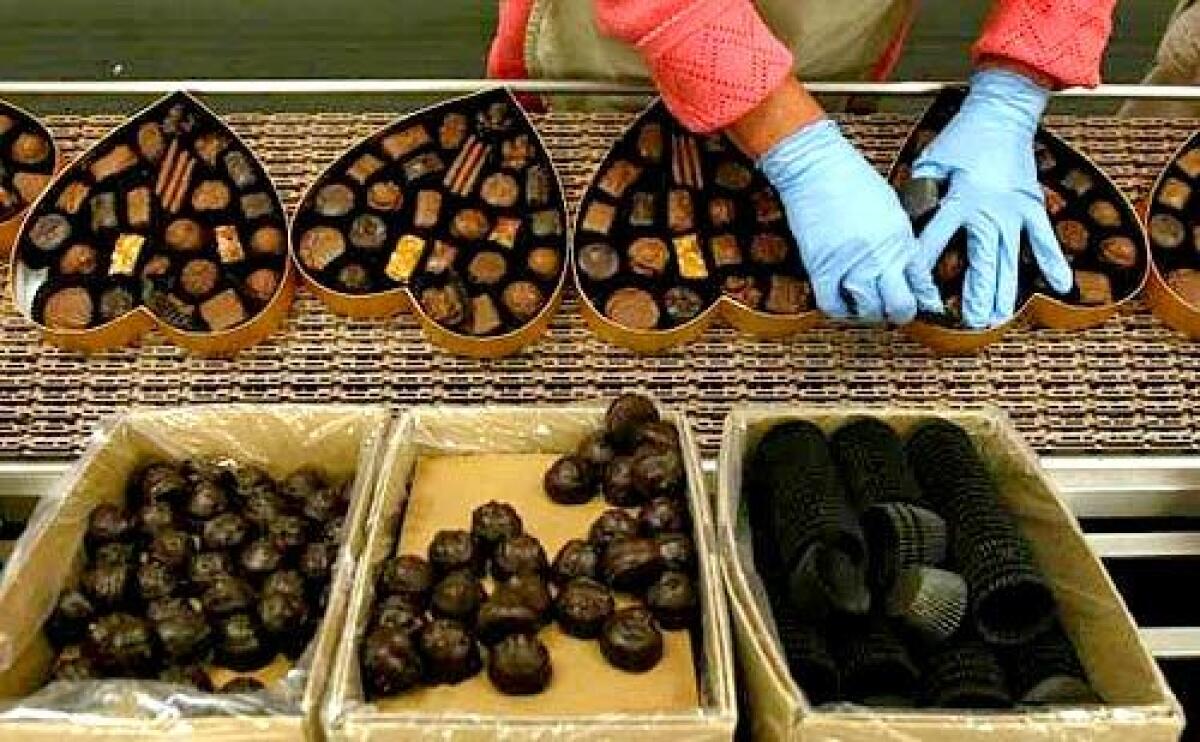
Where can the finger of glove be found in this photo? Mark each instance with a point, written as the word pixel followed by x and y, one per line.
pixel 1007 263
pixel 920 282
pixel 1046 251
pixel 979 292
pixel 899 304
pixel 862 286
pixel 829 298
pixel 938 233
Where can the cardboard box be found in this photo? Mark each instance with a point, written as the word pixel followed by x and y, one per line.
pixel 1141 706
pixel 424 440
pixel 342 440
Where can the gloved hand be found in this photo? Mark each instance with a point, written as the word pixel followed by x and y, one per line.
pixel 854 236
pixel 987 153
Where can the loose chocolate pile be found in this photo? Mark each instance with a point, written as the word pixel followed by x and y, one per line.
pixel 435 622
pixel 895 576
pixel 1097 230
pixel 207 563
pixel 170 211
pixel 26 160
pixel 673 221
pixel 458 204
pixel 1174 226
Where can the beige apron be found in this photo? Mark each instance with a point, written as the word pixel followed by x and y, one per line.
pixel 1176 63
pixel 831 40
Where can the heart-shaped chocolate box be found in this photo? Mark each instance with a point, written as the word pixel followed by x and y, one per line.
pixel 1098 231
pixel 455 212
pixel 677 230
pixel 28 159
pixel 169 221
pixel 1173 219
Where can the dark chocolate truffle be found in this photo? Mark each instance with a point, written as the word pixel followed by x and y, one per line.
pixel 122 645
pixel 576 558
pixel 69 622
pixel 663 515
pixel 612 524
pixel 205 567
pixel 521 554
pixel 519 665
pixel 617 484
pixel 626 415
pixel 285 617
pixel 599 261
pixel 458 595
pixel 408 575
pixel 494 522
pixel 391 663
pixel 658 472
pixel 677 551
pixel 633 308
pixel 227 595
pixel 226 531
pixel 452 550
pixel 241 644
pixel 155 580
pixel 630 641
pixel 506 613
pixel 399 612
pixel 582 606
pixel 569 482
pixel 598 451
pixel 184 635
pixel 448 652
pixel 631 564
pixel 260 558
pixel 108 523
pixel 673 600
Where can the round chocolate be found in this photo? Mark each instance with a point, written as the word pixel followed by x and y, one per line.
pixel 69 622
pixel 658 472
pixel 115 301
pixel 521 554
pixel 243 684
pixel 632 308
pixel 334 200
pixel 385 196
pixel 226 531
pixel 1167 231
pixel 470 224
pixel 288 533
pixel 523 299
pixel 210 195
pixel 207 566
pixel 368 232
pixel 192 676
pixel 109 523
pixel 648 256
pixel 199 277
pixel 79 259
pixel 617 484
pixel 171 547
pixel 226 595
pixel 505 613
pixel 446 305
pixel 259 559
pixel 267 241
pixel 184 635
pixel 156 267
pixel 494 522
pixel 116 553
pixel 208 500
pixel 531 587
pixel 316 560
pixel 582 606
pixel 284 581
pixel 1105 214
pixel 658 434
pixel 68 309
pixel 283 615
pixel 568 481
pixel 72 665
pixel 448 652
pixel 519 665
pixel 673 600
pixel 184 235
pixel 1119 251
pixel 598 451
pixel 677 551
pixel 626 415
pixel 49 232
pixel 261 284
pixel 682 304
pixel 30 149
pixel 663 515
pixel 610 526
pixel 1072 236
pixel 630 641
pixel 544 263
pixel 576 558
pixel 408 575
pixel 391 663
pixel 155 580
pixel 768 249
pixel 487 268
pixel 452 550
pixel 400 612
pixel 241 644
pixel 500 190
pixel 353 278
pixel 599 261
pixel 631 564
pixel 320 246
pixel 458 595
pixel 122 645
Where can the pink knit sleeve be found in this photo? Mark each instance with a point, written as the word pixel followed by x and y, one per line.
pixel 1062 39
pixel 712 60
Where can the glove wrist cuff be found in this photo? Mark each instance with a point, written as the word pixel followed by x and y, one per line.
pixel 999 93
pixel 792 157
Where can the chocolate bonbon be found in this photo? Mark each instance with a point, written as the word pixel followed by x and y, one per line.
pixel 27 160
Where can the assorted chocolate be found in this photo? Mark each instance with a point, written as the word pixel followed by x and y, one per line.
pixel 205 564
pixel 632 576
pixel 895 575
pixel 673 221
pixel 1098 232
pixel 458 204
pixel 1174 224
pixel 171 212
pixel 27 158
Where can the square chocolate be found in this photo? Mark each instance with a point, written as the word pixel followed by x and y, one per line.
pixel 505 231
pixel 441 259
pixel 599 217
pixel 364 167
pixel 223 311
pixel 452 131
pixel 619 176
pixel 641 212
pixel 257 205
pixel 766 206
pixel 429 208
pixel 229 245
pixel 546 223
pixel 721 212
pixel 137 207
pixel 485 318
pixel 788 295
pixel 405 257
pixel 402 143
pixel 650 142
pixel 241 172
pixel 537 186
pixel 725 250
pixel 125 254
pixel 680 212
pixel 423 166
pixel 104 211
pixel 689 258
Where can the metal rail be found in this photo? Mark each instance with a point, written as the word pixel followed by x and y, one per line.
pixel 587 87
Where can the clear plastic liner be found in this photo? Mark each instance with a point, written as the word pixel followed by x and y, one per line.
pixel 343 441
pixel 425 431
pixel 1140 706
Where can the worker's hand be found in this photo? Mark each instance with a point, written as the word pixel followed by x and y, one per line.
pixel 855 239
pixel 987 153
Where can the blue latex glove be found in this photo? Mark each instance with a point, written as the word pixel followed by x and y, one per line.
pixel 855 239
pixel 987 153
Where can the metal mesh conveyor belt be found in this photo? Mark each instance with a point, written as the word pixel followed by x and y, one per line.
pixel 1129 386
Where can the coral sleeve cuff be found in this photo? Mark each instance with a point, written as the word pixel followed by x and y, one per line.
pixel 1062 39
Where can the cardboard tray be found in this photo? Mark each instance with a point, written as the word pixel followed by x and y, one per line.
pixel 745 319
pixel 1039 309
pixel 432 431
pixel 10 226
pixel 385 303
pixel 341 439
pixel 1118 663
pixel 128 328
